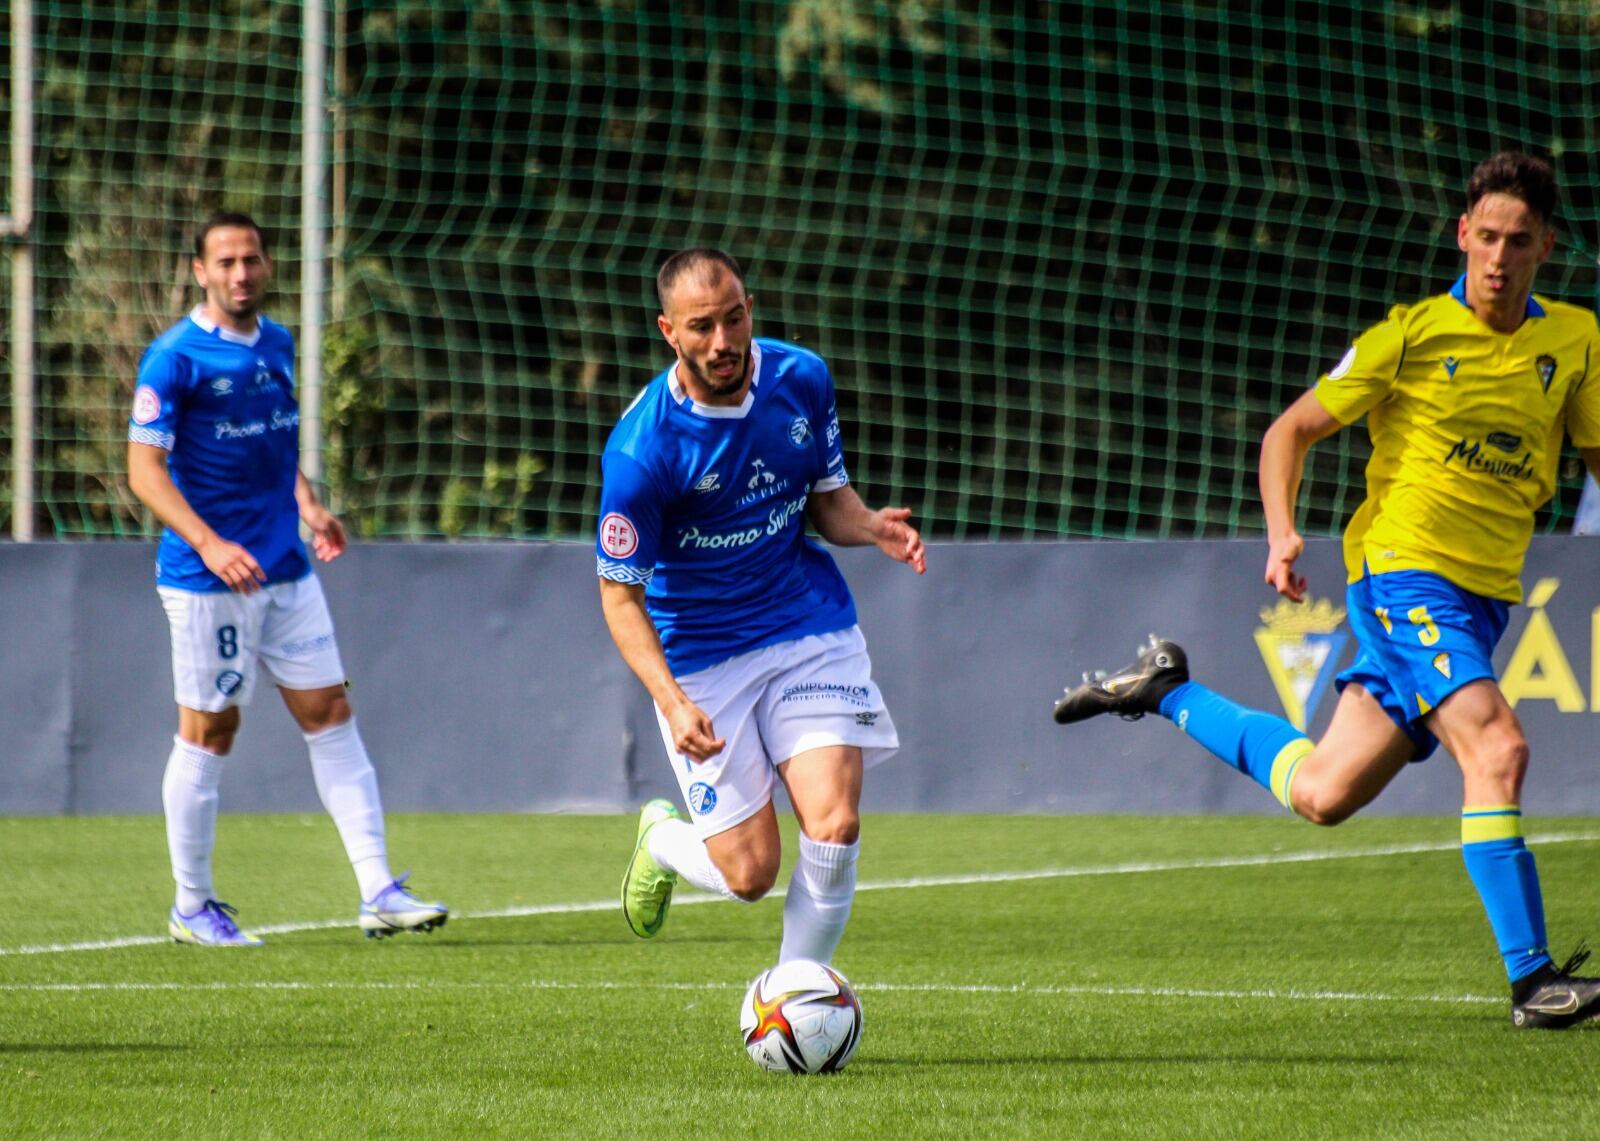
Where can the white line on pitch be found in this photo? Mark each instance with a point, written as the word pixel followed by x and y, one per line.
pixel 1135 868
pixel 1023 989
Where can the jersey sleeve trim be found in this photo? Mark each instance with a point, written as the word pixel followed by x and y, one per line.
pixel 1336 413
pixel 623 573
pixel 831 482
pixel 166 441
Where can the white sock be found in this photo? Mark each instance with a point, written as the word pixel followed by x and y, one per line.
pixel 676 846
pixel 817 904
pixel 348 786
pixel 189 796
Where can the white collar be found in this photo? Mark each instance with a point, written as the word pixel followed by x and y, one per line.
pixel 198 316
pixel 719 411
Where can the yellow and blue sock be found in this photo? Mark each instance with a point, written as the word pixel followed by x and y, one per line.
pixel 1503 871
pixel 1267 749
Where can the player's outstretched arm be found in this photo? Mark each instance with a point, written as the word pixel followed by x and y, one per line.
pixel 149 480
pixel 328 537
pixel 640 646
pixel 840 517
pixel 1283 462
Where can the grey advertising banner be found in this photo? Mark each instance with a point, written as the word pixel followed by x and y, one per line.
pixel 484 679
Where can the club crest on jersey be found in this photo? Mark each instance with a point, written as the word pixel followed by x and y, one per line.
pixel 619 538
pixel 799 431
pixel 762 476
pixel 146 405
pixel 1450 365
pixel 702 797
pixel 1546 366
pixel 708 482
pixel 263 380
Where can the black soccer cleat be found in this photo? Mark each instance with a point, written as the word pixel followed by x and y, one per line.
pixel 1553 998
pixel 1132 691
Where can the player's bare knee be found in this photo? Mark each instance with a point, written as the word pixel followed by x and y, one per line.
pixel 1325 813
pixel 213 732
pixel 750 881
pixel 217 741
pixel 1323 805
pixel 318 710
pixel 1500 761
pixel 841 828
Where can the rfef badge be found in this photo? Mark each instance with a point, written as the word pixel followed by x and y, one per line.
pixel 1301 644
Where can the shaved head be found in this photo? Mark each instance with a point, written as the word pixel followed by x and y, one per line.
pixel 701 266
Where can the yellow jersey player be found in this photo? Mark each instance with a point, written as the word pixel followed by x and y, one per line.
pixel 1466 396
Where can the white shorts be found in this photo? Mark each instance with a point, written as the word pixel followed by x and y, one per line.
pixel 221 641
pixel 772 704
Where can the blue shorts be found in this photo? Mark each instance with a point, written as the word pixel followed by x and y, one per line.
pixel 1421 638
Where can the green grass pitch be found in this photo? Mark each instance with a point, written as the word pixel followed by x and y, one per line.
pixel 1021 977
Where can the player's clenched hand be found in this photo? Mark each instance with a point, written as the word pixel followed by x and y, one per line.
pixel 1281 556
pixel 234 565
pixel 692 733
pixel 328 538
pixel 898 539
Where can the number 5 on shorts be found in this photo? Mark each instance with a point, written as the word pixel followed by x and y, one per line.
pixel 1427 632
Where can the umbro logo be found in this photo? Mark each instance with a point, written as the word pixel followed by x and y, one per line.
pixel 708 482
pixel 1450 365
pixel 222 385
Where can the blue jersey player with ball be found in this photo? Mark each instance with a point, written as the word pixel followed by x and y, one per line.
pixel 740 626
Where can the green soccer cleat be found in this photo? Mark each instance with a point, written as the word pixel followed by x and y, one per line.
pixel 647 886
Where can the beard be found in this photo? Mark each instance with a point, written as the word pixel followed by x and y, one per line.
pixel 722 387
pixel 240 310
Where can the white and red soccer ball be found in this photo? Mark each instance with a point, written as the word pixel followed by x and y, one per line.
pixel 801 1017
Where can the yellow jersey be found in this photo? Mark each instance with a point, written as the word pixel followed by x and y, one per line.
pixel 1466 427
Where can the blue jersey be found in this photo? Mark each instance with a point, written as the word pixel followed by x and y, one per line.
pixel 222 405
pixel 705 506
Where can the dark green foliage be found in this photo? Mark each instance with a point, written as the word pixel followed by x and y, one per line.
pixel 1066 260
